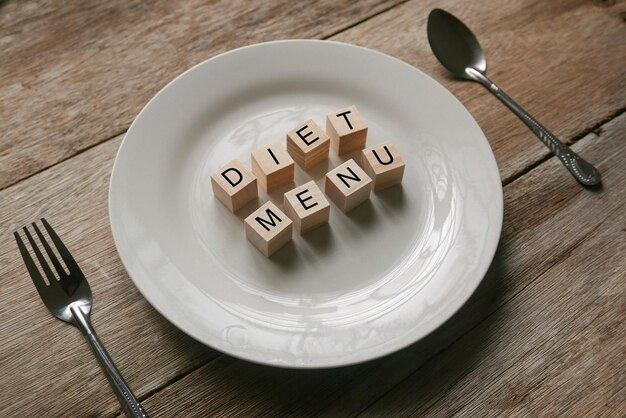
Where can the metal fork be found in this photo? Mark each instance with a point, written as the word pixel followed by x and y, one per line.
pixel 68 297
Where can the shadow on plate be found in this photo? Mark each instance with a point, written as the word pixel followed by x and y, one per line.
pixel 393 200
pixel 426 370
pixel 363 216
pixel 423 372
pixel 287 258
pixel 320 239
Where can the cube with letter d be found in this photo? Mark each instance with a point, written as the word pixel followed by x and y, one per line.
pixel 234 185
pixel 268 228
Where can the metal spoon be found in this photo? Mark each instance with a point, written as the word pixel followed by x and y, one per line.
pixel 456 47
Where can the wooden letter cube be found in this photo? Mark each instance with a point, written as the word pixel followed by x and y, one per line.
pixel 346 129
pixel 234 185
pixel 383 164
pixel 307 207
pixel 273 166
pixel 348 186
pixel 308 145
pixel 268 228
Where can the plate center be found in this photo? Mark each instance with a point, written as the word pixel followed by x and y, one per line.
pixel 355 253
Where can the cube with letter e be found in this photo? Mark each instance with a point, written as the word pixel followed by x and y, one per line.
pixel 348 186
pixel 234 185
pixel 268 228
pixel 308 144
pixel 307 207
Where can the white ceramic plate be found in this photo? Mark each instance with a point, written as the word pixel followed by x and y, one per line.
pixel 373 281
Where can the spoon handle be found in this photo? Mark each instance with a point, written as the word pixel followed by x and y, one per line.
pixel 584 172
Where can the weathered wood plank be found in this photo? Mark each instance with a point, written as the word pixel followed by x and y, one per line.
pixel 554 350
pixel 70 69
pixel 574 371
pixel 562 60
pixel 47 368
pixel 544 220
pixel 76 73
pixel 148 350
pixel 534 241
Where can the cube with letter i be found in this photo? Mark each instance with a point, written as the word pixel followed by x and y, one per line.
pixel 234 185
pixel 307 207
pixel 348 185
pixel 383 164
pixel 268 228
pixel 346 129
pixel 308 144
pixel 273 166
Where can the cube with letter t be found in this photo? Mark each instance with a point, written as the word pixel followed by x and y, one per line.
pixel 234 185
pixel 346 129
pixel 268 228
pixel 307 207
pixel 348 186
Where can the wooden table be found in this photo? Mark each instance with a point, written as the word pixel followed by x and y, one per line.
pixel 544 335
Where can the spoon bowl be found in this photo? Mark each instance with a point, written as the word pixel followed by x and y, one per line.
pixel 458 50
pixel 454 45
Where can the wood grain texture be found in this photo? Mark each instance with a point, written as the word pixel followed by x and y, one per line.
pixel 76 73
pixel 556 349
pixel 47 368
pixel 549 352
pixel 561 60
pixel 549 220
pixel 544 331
pixel 544 222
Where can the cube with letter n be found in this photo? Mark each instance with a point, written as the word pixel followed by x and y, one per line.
pixel 348 186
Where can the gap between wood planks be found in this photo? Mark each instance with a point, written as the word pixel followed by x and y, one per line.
pixel 365 19
pixel 522 170
pixel 563 257
pixel 33 174
pixel 120 412
pixel 558 260
pixel 503 372
pixel 596 129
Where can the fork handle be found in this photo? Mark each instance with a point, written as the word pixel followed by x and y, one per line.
pixel 130 404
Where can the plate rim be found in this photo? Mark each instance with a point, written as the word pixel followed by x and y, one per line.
pixel 432 326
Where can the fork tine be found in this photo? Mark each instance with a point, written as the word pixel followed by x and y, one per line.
pixel 30 265
pixel 65 253
pixel 42 261
pixel 55 261
pixel 72 281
